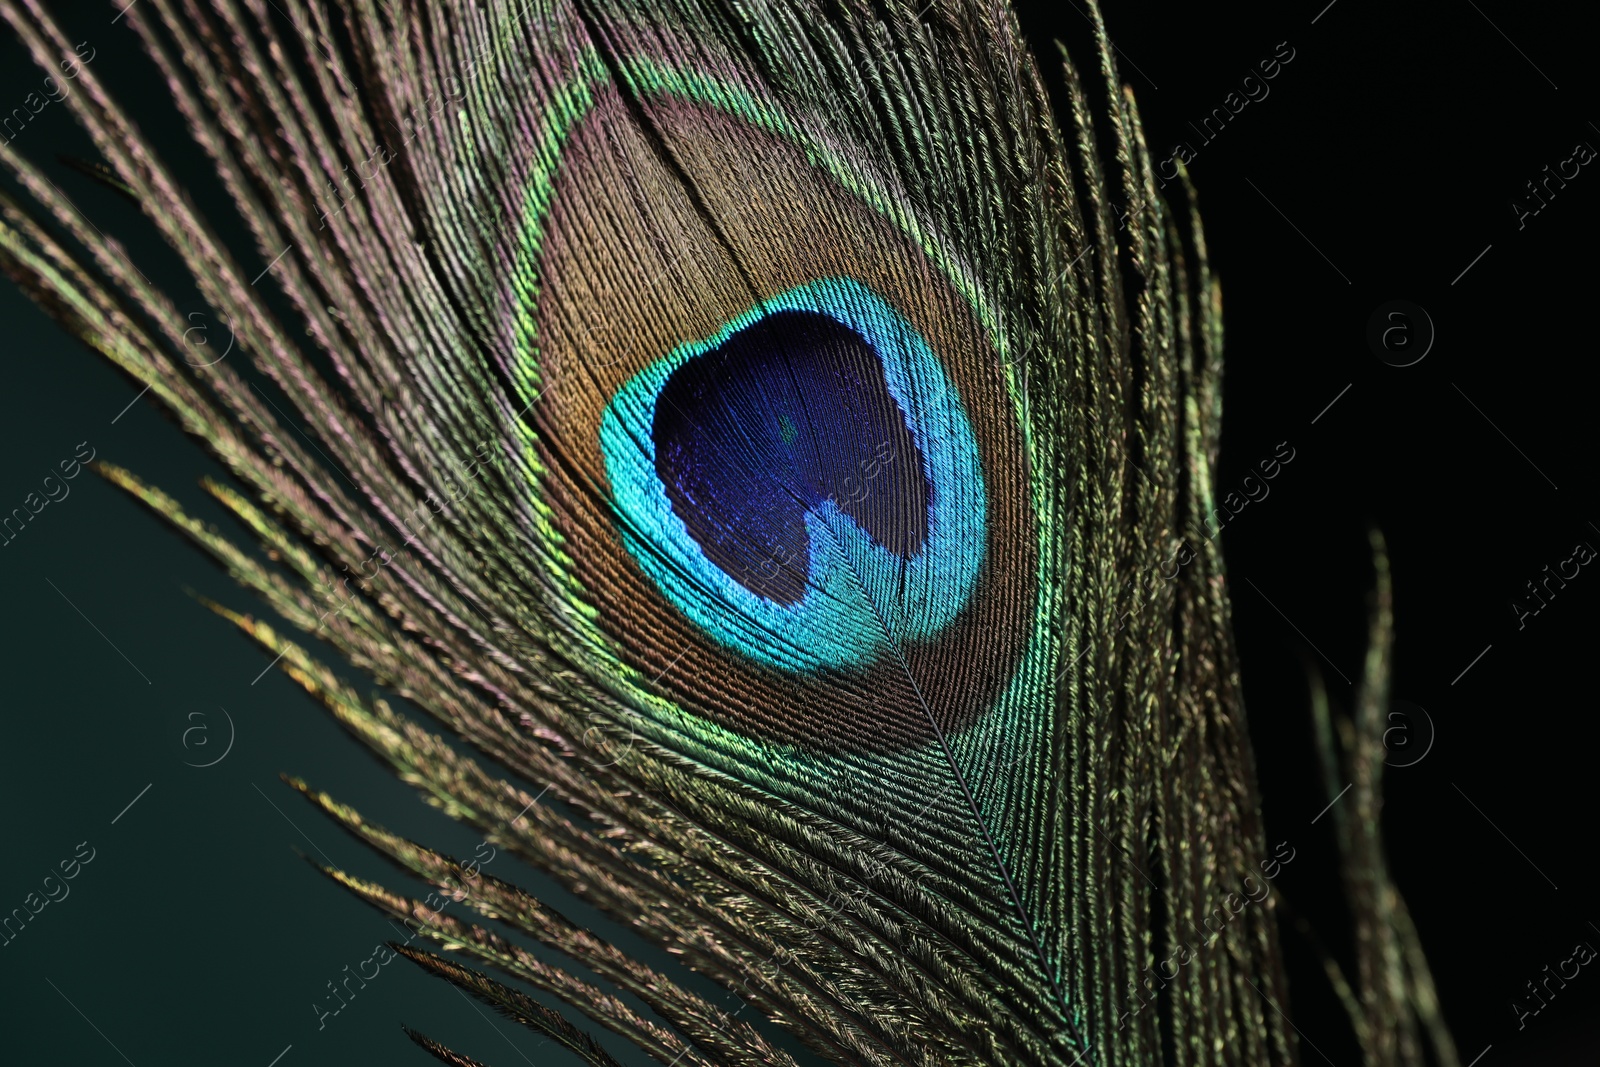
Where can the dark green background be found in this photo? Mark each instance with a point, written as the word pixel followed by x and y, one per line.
pixel 1395 143
pixel 195 935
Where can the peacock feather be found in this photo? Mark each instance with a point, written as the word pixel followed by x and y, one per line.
pixel 763 440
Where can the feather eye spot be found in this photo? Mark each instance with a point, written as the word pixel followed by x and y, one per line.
pixel 804 484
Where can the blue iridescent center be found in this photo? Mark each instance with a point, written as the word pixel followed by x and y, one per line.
pixel 789 412
pixel 804 484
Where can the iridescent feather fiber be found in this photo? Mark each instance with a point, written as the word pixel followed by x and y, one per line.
pixel 745 420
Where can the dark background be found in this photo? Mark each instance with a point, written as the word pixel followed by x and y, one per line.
pixel 1381 165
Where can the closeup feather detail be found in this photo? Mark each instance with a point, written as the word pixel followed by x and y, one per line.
pixel 738 425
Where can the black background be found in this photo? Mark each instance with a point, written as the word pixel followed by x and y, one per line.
pixel 1381 166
